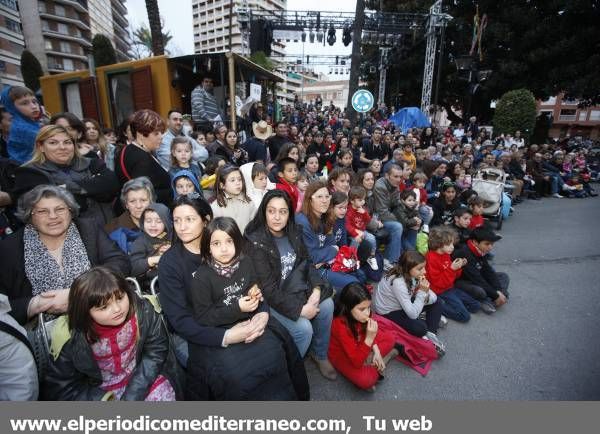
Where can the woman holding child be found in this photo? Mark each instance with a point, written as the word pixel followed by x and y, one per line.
pixel 232 363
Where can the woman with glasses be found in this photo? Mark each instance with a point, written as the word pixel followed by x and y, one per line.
pixel 41 260
pixel 56 161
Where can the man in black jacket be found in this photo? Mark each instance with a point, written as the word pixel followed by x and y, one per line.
pixel 478 277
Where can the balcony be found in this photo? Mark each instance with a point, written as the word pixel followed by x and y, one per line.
pixel 118 5
pixel 567 118
pixel 79 5
pixel 69 55
pixel 65 19
pixel 120 20
pixel 67 37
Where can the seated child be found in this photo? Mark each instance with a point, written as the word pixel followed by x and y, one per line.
pixel 404 294
pixel 231 199
pixel 207 182
pixel 442 273
pixel 478 277
pixel 112 346
pixel 344 159
pixel 339 201
pixel 26 112
pixel 302 185
pixel 476 206
pixel 287 178
pixel 407 214
pixel 357 222
pixel 223 291
pixel 445 205
pixel 157 230
pixel 256 177
pixel 419 180
pixel 462 220
pixel 185 183
pixel 357 348
pixel 181 157
pixel 311 167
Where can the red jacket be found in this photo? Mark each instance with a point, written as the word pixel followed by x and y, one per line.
pixel 439 273
pixel 422 195
pixel 476 222
pixel 356 220
pixel 345 349
pixel 290 189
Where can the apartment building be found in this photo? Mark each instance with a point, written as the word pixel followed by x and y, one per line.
pixel 59 32
pixel 12 44
pixel 568 119
pixel 211 24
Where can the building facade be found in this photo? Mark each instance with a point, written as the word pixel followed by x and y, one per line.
pixel 334 91
pixel 211 24
pixel 59 32
pixel 12 44
pixel 568 119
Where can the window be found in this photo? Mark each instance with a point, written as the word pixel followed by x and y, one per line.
pixel 582 115
pixel 595 115
pixel 72 99
pixel 11 4
pixel 68 65
pixel 48 44
pixel 121 99
pixel 63 28
pixel 59 10
pixel 12 25
pixel 567 115
pixel 65 47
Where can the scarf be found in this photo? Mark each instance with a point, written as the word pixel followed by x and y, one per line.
pixel 225 270
pixel 41 268
pixel 473 248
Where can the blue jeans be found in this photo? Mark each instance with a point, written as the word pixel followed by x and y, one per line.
pixel 339 280
pixel 458 304
pixel 369 238
pixel 316 330
pixel 409 239
pixel 393 249
pixel 426 214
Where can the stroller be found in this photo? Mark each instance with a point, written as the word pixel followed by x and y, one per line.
pixel 489 184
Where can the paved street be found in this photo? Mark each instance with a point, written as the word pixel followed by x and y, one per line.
pixel 543 345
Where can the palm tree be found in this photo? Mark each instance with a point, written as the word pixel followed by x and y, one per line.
pixel 142 37
pixel 158 46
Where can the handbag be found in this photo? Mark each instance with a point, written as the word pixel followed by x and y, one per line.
pixel 346 260
pixel 38 331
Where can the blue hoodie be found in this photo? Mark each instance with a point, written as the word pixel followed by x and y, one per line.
pixel 23 131
pixel 188 174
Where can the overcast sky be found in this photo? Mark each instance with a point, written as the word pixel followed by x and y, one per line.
pixel 178 20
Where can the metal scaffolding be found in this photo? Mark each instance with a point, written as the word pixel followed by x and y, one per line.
pixel 434 13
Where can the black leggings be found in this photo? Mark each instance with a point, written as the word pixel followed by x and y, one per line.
pixel 418 327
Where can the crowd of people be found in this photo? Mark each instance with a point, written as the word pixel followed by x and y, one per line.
pixel 310 237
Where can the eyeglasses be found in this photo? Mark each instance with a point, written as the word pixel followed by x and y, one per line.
pixel 45 213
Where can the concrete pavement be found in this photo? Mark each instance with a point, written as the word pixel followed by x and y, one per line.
pixel 543 345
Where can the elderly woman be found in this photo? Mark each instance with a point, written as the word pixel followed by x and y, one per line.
pixel 137 159
pixel 41 260
pixel 136 195
pixel 55 161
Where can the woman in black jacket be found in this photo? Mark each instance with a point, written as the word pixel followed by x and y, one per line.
pixel 299 298
pixel 239 363
pixel 30 274
pixel 56 162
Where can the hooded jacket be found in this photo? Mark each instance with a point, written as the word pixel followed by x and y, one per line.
pixel 23 131
pixel 254 194
pixel 145 245
pixel 189 175
pixel 478 271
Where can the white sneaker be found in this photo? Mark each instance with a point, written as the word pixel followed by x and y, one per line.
pixel 557 196
pixel 387 265
pixel 372 261
pixel 439 346
pixel 443 322
pixel 425 229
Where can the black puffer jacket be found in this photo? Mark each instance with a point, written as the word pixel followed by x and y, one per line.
pixel 287 298
pixel 75 376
